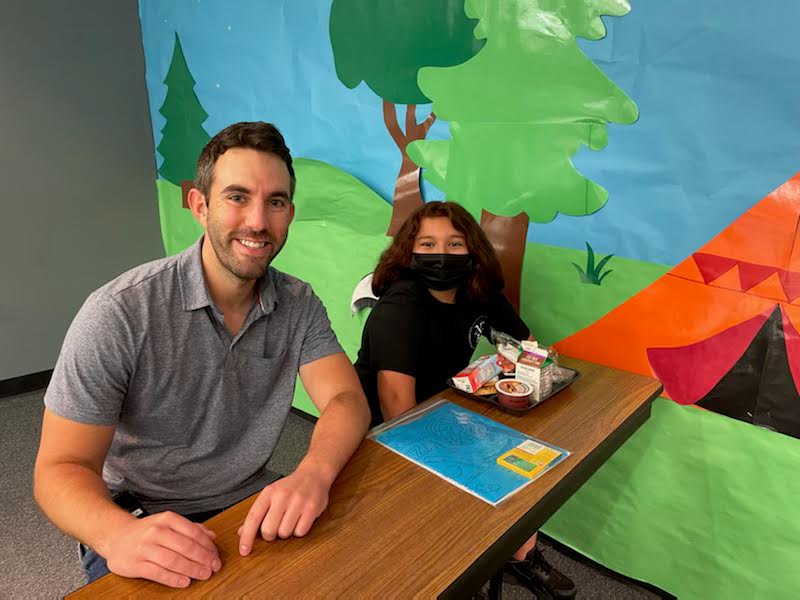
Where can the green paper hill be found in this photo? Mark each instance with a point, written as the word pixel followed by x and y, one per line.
pixel 556 304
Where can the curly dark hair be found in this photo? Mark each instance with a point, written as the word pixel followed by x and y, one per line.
pixel 257 135
pixel 487 276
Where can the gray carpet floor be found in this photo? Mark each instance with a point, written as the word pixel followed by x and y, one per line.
pixel 38 561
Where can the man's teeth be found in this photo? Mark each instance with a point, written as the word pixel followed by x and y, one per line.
pixel 250 244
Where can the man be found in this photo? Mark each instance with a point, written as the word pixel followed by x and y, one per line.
pixel 176 378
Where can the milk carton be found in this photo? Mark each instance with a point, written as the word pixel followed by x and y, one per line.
pixel 536 368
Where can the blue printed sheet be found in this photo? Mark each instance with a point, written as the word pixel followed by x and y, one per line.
pixel 462 447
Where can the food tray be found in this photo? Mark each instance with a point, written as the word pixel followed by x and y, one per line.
pixel 492 399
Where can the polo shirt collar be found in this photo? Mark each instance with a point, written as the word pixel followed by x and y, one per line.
pixel 193 287
pixel 267 292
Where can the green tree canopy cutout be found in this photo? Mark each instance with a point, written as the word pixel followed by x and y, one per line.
pixel 183 136
pixel 384 43
pixel 522 107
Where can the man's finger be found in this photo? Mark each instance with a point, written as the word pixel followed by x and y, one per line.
pixel 304 523
pixel 189 549
pixel 172 561
pixel 159 574
pixel 209 532
pixel 252 522
pixel 185 527
pixel 289 520
pixel 273 518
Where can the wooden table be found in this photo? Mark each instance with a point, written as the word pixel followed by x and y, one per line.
pixel 393 529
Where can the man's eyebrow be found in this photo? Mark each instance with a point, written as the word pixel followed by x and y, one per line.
pixel 235 187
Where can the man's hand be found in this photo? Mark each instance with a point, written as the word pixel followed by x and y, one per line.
pixel 166 548
pixel 285 508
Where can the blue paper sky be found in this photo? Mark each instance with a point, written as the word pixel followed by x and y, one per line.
pixel 715 82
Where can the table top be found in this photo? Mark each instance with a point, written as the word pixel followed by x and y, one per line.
pixel 395 529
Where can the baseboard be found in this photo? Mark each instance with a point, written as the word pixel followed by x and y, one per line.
pixel 25 384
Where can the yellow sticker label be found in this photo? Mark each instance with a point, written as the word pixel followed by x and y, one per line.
pixel 520 462
pixel 539 452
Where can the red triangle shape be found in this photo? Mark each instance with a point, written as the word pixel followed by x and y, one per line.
pixel 751 274
pixel 792 347
pixel 712 266
pixel 690 372
pixel 791 284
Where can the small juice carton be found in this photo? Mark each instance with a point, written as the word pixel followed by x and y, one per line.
pixel 536 369
pixel 478 372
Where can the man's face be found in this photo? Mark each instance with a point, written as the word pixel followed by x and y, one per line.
pixel 248 211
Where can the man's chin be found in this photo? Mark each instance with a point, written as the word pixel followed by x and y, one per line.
pixel 246 270
pixel 251 274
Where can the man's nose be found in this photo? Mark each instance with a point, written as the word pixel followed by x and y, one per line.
pixel 256 216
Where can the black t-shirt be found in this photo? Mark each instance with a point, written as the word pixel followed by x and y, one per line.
pixel 411 332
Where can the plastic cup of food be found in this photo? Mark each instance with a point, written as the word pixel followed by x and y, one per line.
pixel 513 393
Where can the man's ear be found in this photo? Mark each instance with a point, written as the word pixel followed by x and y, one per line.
pixel 197 204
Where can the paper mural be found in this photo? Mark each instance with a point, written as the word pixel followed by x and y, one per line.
pixel 635 164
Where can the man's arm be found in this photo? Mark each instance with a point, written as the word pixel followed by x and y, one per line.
pixel 166 548
pixel 292 504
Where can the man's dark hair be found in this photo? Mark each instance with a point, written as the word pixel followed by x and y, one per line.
pixel 257 135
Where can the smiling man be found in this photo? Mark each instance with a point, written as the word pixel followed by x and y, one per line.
pixel 175 381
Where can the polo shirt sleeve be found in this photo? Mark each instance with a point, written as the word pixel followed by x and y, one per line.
pixel 394 335
pixel 90 379
pixel 319 340
pixel 502 317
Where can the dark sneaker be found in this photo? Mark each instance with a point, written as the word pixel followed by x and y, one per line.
pixel 539 576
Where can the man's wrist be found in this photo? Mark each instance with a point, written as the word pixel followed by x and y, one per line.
pixel 114 522
pixel 321 471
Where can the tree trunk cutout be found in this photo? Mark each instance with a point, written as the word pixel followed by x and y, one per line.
pixel 407 195
pixel 508 235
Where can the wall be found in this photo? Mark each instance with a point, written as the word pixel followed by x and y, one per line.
pixel 76 167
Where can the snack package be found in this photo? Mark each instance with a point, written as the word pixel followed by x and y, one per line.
pixel 536 368
pixel 477 373
pixel 487 389
pixel 507 346
pixel 506 366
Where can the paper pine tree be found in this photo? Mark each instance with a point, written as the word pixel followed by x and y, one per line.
pixel 183 136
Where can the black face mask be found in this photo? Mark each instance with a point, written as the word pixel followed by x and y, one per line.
pixel 442 271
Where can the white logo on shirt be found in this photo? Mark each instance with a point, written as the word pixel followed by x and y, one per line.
pixel 476 330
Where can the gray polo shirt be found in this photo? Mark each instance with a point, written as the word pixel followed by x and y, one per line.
pixel 198 412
